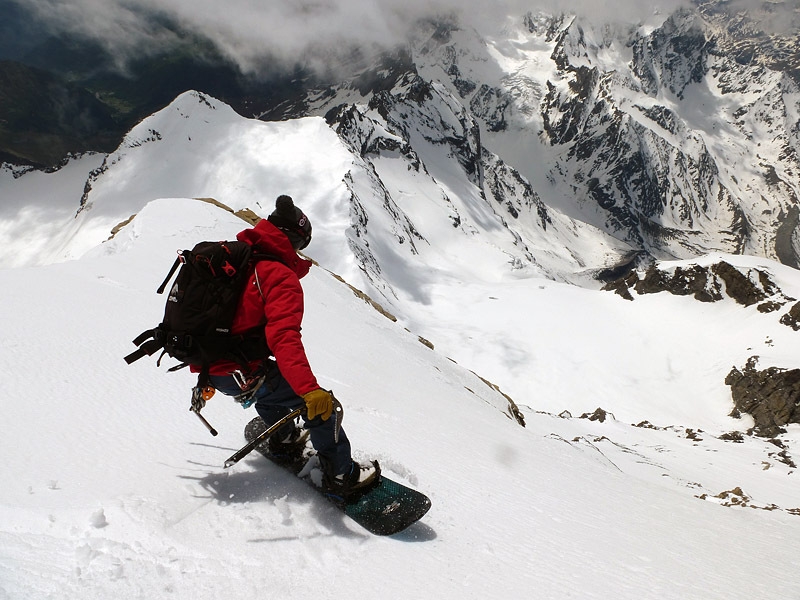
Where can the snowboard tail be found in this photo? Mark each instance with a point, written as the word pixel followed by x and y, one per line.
pixel 386 508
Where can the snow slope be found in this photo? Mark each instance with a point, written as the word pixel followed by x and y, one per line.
pixel 112 489
pixel 38 209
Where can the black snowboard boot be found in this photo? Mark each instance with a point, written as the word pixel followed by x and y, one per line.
pixel 359 479
pixel 288 449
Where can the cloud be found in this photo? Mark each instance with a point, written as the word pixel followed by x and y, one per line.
pixel 306 32
pixel 244 30
pixel 771 16
pixel 125 29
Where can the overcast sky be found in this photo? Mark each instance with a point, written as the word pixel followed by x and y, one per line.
pixel 247 30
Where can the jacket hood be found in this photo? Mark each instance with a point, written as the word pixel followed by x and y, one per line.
pixel 271 240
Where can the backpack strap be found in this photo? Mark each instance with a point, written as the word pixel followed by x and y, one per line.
pixel 175 265
pixel 149 342
pixel 155 336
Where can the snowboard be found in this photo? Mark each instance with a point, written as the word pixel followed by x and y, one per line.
pixel 384 509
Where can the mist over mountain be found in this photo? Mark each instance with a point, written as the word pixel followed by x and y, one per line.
pixel 319 33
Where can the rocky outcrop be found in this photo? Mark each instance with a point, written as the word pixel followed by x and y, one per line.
pixel 792 318
pixel 771 396
pixel 707 284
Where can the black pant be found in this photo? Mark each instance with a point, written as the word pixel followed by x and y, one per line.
pixel 276 399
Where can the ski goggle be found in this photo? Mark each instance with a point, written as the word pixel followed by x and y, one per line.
pixel 305 240
pixel 304 229
pixel 299 235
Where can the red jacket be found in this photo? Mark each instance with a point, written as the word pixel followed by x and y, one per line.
pixel 273 298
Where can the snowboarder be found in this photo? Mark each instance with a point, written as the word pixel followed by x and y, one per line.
pixel 282 381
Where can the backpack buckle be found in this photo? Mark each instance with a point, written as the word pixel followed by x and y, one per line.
pixel 229 269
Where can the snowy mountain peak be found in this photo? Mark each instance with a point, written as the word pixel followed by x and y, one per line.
pixel 651 134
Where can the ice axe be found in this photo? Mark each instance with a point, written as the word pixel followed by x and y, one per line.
pixel 338 414
pixel 204 422
pixel 199 397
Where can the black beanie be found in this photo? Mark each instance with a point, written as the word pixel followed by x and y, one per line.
pixel 291 220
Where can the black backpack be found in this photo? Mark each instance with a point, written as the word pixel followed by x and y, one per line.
pixel 200 308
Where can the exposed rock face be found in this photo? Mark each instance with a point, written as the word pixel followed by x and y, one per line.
pixel 659 179
pixel 706 284
pixel 771 396
pixel 792 318
pixel 679 140
pixel 424 128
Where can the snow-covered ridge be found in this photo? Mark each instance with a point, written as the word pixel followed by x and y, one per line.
pixel 196 147
pixel 407 164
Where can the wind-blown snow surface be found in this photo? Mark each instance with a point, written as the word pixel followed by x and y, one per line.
pixel 111 488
